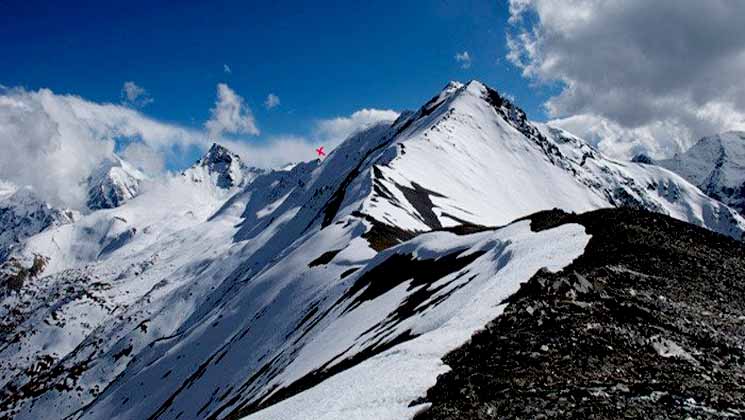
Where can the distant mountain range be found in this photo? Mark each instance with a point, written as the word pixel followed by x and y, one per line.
pixel 334 288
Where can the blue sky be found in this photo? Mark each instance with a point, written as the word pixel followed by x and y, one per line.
pixel 601 69
pixel 323 59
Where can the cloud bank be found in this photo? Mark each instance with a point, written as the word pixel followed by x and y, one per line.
pixel 331 132
pixel 53 142
pixel 635 75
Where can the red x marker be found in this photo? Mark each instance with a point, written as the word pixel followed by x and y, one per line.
pixel 320 151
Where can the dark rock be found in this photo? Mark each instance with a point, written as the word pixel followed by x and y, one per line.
pixel 647 323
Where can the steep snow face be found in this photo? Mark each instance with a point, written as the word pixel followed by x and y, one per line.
pixel 431 293
pixel 112 184
pixel 461 159
pixel 470 156
pixel 23 214
pixel 208 295
pixel 716 165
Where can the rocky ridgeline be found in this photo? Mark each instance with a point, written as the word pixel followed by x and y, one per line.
pixel 648 323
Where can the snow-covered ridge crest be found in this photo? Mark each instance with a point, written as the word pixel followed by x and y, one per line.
pixel 471 156
pixel 430 314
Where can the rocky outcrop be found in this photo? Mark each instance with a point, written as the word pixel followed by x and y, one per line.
pixel 647 323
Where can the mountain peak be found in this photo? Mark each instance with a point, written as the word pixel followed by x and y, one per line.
pixel 732 141
pixel 475 84
pixel 714 164
pixel 225 167
pixel 218 153
pixel 456 88
pixel 112 183
pixel 643 158
pixel 479 90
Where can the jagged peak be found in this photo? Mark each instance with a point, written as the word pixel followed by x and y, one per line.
pixel 643 158
pixel 475 85
pixel 716 146
pixel 457 96
pixel 113 165
pixel 218 153
pixel 477 89
pixel 112 183
pixel 224 166
pixel 455 88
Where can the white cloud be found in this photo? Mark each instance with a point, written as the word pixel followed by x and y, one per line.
pixel 144 158
pixel 271 101
pixel 230 115
pixel 655 139
pixel 134 95
pixel 464 59
pixel 53 142
pixel 666 71
pixel 335 130
pixel 280 150
pixel 274 152
pixel 226 69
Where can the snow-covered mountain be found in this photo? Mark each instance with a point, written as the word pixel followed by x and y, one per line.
pixel 23 214
pixel 716 164
pixel 113 183
pixel 223 168
pixel 332 287
pixel 161 208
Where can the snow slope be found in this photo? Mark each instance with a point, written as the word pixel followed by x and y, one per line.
pixel 470 156
pixel 220 292
pixel 445 312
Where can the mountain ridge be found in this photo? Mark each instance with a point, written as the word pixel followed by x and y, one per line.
pixel 643 324
pixel 230 298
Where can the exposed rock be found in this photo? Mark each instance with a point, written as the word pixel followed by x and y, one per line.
pixel 646 324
